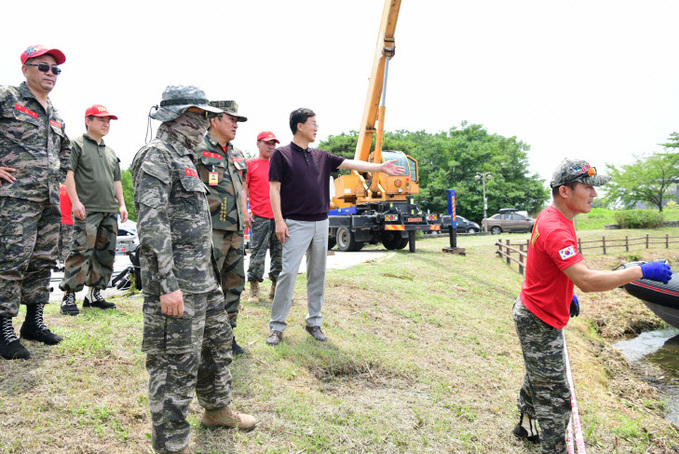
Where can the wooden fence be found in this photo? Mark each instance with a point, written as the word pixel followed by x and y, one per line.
pixel 626 242
pixel 518 251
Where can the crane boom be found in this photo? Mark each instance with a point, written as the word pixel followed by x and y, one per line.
pixel 373 112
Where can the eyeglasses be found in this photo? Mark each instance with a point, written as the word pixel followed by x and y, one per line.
pixel 45 68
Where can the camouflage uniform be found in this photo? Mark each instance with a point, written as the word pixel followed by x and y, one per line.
pixel 190 352
pixel 32 141
pixel 226 208
pixel 545 391
pixel 264 238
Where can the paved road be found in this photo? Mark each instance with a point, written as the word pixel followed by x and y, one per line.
pixel 336 260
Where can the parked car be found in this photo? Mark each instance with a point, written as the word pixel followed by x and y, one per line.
pixel 464 225
pixel 127 238
pixel 508 220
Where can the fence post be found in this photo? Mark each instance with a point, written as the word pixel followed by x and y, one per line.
pixel 603 243
pixel 626 244
pixel 521 259
pixel 580 245
pixel 647 241
pixel 667 241
pixel 509 262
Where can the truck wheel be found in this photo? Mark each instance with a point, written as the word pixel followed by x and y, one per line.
pixel 404 243
pixel 496 230
pixel 345 240
pixel 392 240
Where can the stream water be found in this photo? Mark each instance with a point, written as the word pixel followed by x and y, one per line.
pixel 659 349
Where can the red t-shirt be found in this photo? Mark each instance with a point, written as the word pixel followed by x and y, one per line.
pixel 257 180
pixel 65 205
pixel 547 292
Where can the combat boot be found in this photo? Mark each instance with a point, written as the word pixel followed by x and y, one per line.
pixel 530 434
pixel 34 327
pixel 272 292
pixel 254 292
pixel 225 417
pixel 68 306
pixel 94 299
pixel 235 348
pixel 10 347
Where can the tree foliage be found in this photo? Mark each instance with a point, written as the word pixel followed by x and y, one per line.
pixel 451 160
pixel 648 180
pixel 128 194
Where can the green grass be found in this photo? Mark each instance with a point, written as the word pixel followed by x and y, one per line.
pixel 421 357
pixel 600 217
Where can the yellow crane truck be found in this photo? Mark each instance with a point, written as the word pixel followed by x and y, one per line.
pixel 373 208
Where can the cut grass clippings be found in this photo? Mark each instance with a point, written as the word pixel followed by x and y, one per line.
pixel 421 357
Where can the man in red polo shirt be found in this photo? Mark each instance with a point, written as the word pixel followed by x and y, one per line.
pixel 546 302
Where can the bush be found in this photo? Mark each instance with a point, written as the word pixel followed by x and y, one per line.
pixel 639 219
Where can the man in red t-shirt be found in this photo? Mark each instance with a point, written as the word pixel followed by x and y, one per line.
pixel 546 302
pixel 263 233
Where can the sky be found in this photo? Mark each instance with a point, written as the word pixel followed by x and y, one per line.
pixel 596 80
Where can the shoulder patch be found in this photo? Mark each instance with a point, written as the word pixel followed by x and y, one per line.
pixel 567 252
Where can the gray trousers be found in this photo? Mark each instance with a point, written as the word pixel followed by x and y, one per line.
pixel 545 394
pixel 310 238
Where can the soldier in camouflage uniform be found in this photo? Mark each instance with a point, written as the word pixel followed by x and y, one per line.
pixel 546 303
pixel 96 193
pixel 221 166
pixel 187 338
pixel 34 158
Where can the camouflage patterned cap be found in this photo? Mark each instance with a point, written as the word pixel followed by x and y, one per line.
pixel 177 99
pixel 577 170
pixel 230 107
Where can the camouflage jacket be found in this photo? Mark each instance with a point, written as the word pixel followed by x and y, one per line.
pixel 223 174
pixel 173 222
pixel 34 143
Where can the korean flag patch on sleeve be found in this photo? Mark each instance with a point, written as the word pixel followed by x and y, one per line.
pixel 567 252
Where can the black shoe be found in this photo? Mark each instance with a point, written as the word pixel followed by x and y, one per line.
pixel 68 306
pixel 34 327
pixel 94 299
pixel 235 348
pixel 521 433
pixel 10 347
pixel 316 332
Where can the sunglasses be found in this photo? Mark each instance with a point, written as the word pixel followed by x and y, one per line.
pixel 202 112
pixel 581 171
pixel 45 68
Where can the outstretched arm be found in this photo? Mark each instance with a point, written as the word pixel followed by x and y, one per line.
pixel 388 167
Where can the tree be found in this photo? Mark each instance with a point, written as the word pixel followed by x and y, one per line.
pixel 647 180
pixel 450 160
pixel 128 194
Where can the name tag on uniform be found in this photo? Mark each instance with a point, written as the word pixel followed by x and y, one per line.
pixel 213 179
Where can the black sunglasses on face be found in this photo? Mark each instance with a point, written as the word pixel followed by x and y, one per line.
pixel 44 67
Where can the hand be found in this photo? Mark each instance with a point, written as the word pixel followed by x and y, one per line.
pixel 391 168
pixel 575 307
pixel 172 303
pixel 5 174
pixel 657 271
pixel 123 214
pixel 247 220
pixel 79 211
pixel 282 231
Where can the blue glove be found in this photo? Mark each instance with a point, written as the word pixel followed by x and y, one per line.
pixel 575 307
pixel 657 271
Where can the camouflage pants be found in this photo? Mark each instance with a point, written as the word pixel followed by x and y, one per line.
pixel 93 250
pixel 545 394
pixel 29 233
pixel 185 354
pixel 65 240
pixel 229 255
pixel 264 237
